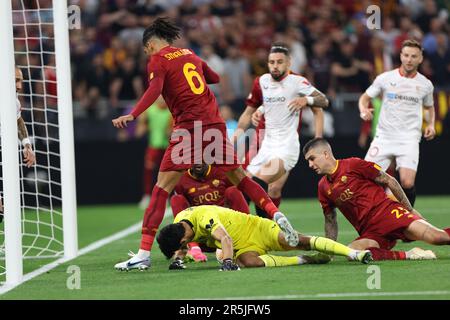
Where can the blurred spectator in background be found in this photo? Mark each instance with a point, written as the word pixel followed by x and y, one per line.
pixel 126 84
pixel 217 64
pixel 350 73
pixel 440 63
pixel 319 67
pixel 237 70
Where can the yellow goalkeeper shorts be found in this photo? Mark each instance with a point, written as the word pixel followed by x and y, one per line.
pixel 262 238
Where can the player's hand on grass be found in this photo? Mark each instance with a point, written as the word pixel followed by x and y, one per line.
pixel 228 265
pixel 430 132
pixel 28 156
pixel 177 264
pixel 297 104
pixel 121 122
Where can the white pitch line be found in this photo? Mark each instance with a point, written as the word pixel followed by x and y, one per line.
pixel 335 295
pixel 93 246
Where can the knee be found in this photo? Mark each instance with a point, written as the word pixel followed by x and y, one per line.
pixel 407 183
pixel 274 191
pixel 253 262
pixel 231 191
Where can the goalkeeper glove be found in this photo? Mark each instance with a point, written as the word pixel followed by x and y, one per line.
pixel 228 265
pixel 177 264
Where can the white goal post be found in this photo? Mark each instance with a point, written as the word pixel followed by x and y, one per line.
pixel 46 225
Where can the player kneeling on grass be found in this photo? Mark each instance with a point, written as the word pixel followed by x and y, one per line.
pixel 245 240
pixel 357 188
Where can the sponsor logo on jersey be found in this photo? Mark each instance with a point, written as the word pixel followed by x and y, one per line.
pixel 274 99
pixel 394 96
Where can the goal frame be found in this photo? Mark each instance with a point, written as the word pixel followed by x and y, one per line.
pixel 10 158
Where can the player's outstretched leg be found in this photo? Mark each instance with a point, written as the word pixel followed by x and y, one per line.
pixel 153 217
pixel 327 246
pixel 262 199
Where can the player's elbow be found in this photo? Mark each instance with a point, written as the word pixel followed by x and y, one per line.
pixel 326 102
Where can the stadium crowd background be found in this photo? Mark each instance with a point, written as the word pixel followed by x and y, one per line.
pixel 329 42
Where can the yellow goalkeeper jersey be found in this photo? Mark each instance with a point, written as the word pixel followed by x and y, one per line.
pixel 206 219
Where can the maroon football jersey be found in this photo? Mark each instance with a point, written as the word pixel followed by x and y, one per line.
pixel 181 77
pixel 209 190
pixel 352 189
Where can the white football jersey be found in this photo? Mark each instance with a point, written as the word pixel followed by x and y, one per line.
pixel 403 98
pixel 280 123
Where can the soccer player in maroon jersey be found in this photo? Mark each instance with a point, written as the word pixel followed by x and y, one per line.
pixel 357 188
pixel 180 77
pixel 204 184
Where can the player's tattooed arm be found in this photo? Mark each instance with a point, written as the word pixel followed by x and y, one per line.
pixel 388 181
pixel 22 129
pixel 331 226
pixel 320 100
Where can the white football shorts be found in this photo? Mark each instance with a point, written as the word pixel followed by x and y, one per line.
pixel 383 152
pixel 287 150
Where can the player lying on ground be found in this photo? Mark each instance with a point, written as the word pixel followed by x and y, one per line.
pixel 356 187
pixel 244 239
pixel 205 185
pixel 181 77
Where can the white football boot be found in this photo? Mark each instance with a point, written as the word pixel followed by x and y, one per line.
pixel 363 256
pixel 290 234
pixel 134 263
pixel 420 254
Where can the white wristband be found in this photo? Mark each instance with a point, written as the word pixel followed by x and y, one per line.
pixel 26 141
pixel 261 109
pixel 309 100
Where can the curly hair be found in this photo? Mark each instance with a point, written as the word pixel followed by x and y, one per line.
pixel 161 28
pixel 169 239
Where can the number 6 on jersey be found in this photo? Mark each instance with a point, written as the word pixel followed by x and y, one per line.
pixel 190 73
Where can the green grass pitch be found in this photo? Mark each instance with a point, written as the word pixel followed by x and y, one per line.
pixel 339 279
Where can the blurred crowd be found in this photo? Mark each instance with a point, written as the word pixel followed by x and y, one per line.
pixel 329 42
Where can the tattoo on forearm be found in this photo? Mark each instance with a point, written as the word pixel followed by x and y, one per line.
pixel 319 100
pixel 331 227
pixel 387 181
pixel 21 129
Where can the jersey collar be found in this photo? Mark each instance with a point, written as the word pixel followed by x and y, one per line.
pixel 404 76
pixel 332 173
pixel 207 173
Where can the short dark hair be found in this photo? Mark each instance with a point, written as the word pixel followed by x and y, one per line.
pixel 161 28
pixel 169 239
pixel 279 47
pixel 314 143
pixel 411 43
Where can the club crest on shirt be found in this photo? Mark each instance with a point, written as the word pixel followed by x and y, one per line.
pixel 344 179
pixel 215 183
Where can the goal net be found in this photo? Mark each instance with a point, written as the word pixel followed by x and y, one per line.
pixel 46 109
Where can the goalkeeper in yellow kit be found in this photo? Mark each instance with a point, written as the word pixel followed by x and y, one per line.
pixel 245 240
